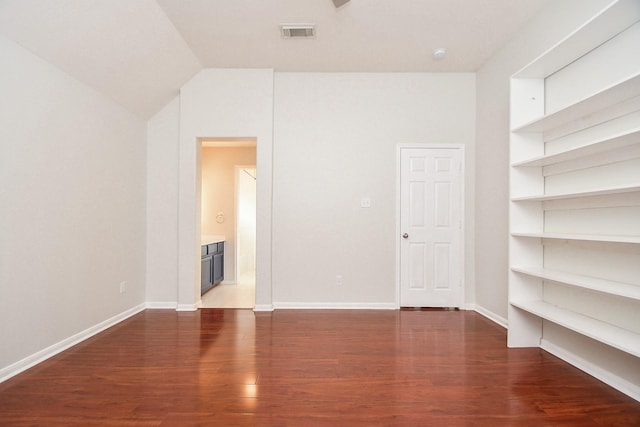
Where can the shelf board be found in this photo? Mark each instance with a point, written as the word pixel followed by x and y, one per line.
pixel 611 21
pixel 610 96
pixel 586 282
pixel 611 335
pixel 582 237
pixel 598 192
pixel 624 139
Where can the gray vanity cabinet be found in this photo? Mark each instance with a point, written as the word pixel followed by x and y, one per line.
pixel 212 262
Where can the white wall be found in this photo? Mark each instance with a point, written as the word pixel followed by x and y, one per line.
pixel 335 141
pixel 336 137
pixel 163 135
pixel 246 228
pixel 227 103
pixel 72 202
pixel 554 22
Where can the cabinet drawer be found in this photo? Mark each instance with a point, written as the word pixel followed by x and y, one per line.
pixel 212 248
pixel 203 250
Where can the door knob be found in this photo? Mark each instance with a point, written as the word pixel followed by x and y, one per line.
pixel 405 236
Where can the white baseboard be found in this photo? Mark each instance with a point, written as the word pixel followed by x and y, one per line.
pixel 334 306
pixel 162 304
pixel 263 307
pixel 188 307
pixel 491 316
pixel 52 350
pixel 620 384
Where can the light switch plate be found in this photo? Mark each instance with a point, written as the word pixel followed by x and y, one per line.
pixel 365 202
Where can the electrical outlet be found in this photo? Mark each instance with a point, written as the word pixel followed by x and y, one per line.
pixel 339 280
pixel 123 287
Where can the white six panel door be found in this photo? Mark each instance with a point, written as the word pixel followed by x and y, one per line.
pixel 431 227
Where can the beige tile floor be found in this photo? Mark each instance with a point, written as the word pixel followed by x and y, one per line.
pixel 237 295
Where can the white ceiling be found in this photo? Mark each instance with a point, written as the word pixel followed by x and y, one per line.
pixel 140 52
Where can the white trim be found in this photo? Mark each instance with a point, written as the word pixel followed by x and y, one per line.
pixel 399 148
pixel 263 307
pixel 188 307
pixel 491 315
pixel 335 305
pixel 52 350
pixel 630 389
pixel 189 217
pixel 161 304
pixel 463 229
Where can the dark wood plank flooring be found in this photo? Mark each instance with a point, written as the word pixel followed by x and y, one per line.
pixel 305 368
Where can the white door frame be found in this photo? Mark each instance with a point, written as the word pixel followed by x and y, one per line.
pixel 189 236
pixel 399 149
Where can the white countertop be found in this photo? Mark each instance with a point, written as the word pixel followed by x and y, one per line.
pixel 208 239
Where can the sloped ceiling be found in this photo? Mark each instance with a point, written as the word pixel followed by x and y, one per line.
pixel 140 52
pixel 127 49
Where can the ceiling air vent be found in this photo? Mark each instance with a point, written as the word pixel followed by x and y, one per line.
pixel 298 31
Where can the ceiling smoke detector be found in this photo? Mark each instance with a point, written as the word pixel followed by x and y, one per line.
pixel 439 53
pixel 298 31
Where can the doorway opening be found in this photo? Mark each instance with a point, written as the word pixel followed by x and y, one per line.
pixel 228 213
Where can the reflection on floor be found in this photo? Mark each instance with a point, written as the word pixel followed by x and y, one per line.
pixel 238 295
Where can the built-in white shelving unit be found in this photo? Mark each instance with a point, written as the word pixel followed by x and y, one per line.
pixel 584 237
pixel 574 253
pixel 634 187
pixel 586 282
pixel 626 138
pixel 611 335
pixel 608 97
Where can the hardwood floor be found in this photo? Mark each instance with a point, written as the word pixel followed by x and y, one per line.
pixel 219 367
